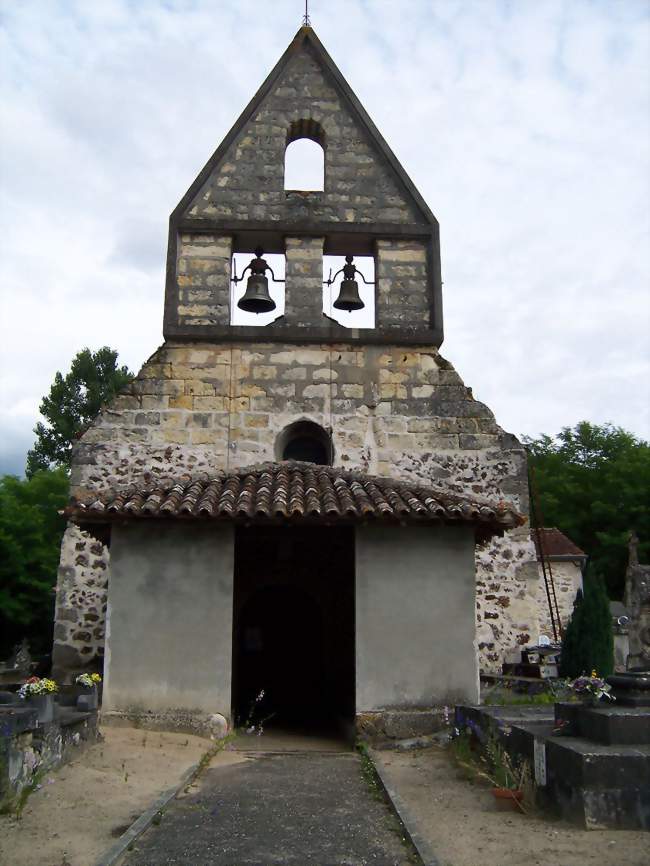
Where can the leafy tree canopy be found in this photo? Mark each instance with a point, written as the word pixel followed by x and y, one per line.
pixel 74 400
pixel 593 484
pixel 30 538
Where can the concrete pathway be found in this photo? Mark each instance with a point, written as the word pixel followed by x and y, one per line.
pixel 280 806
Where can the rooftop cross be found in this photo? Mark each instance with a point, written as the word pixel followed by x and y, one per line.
pixel 305 18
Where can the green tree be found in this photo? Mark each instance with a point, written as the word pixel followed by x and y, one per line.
pixel 593 484
pixel 74 400
pixel 588 641
pixel 30 537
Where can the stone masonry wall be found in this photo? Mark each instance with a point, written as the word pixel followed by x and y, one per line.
pixel 400 412
pixel 303 306
pixel 394 411
pixel 506 599
pixel 248 184
pixel 402 283
pixel 567 579
pixel 203 278
pixel 80 610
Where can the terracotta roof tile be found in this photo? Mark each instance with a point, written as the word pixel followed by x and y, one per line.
pixel 555 543
pixel 296 491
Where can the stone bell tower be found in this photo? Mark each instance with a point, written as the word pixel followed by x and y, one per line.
pixel 219 397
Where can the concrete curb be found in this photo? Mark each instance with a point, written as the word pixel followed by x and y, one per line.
pixel 116 851
pixel 402 811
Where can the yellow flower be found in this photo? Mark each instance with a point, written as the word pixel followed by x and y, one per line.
pixel 594 674
pixel 96 678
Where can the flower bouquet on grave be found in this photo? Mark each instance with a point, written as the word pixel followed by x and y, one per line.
pixel 88 699
pixel 88 680
pixel 591 689
pixel 35 686
pixel 39 693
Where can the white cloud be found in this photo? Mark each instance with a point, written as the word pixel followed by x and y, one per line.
pixel 525 126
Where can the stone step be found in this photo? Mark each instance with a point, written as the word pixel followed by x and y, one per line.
pixel 599 786
pixel 590 765
pixel 608 724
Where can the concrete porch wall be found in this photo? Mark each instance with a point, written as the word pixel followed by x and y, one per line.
pixel 169 623
pixel 415 627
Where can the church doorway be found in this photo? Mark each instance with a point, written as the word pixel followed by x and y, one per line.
pixel 293 629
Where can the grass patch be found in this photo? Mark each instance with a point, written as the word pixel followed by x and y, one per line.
pixel 27 791
pixel 465 757
pixel 368 772
pixel 374 785
pixel 212 752
pixel 507 698
pixel 545 693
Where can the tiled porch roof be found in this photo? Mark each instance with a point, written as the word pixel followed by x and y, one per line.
pixel 297 492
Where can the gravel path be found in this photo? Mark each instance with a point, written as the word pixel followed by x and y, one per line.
pixel 300 808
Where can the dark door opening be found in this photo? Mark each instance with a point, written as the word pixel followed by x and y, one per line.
pixel 293 630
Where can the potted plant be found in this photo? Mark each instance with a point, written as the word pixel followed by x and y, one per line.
pixel 591 689
pixel 508 776
pixel 87 700
pixel 39 693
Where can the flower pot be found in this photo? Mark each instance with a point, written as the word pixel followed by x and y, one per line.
pixel 44 706
pixel 507 799
pixel 87 700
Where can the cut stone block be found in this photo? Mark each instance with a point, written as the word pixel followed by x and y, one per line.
pixel 609 725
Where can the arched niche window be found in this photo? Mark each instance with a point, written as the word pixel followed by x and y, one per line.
pixel 305 441
pixel 304 158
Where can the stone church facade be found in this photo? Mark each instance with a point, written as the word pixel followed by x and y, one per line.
pixel 187 472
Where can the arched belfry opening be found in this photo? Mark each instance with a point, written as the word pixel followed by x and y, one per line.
pixel 304 157
pixel 305 441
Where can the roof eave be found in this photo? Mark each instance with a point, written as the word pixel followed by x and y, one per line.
pixel 483 530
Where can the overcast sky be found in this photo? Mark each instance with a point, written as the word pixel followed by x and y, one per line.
pixel 525 125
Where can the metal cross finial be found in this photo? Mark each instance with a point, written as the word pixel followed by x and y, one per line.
pixel 305 18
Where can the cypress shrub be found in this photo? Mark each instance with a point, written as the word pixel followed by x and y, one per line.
pixel 588 642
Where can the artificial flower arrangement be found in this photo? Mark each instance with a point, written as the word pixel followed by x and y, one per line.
pixel 88 680
pixel 37 686
pixel 593 687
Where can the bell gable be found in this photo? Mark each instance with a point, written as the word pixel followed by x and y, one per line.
pixel 368 207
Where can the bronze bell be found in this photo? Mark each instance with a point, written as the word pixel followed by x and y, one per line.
pixel 256 298
pixel 348 298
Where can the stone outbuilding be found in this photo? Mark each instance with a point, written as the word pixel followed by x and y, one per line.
pixel 295 507
pixel 565 567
